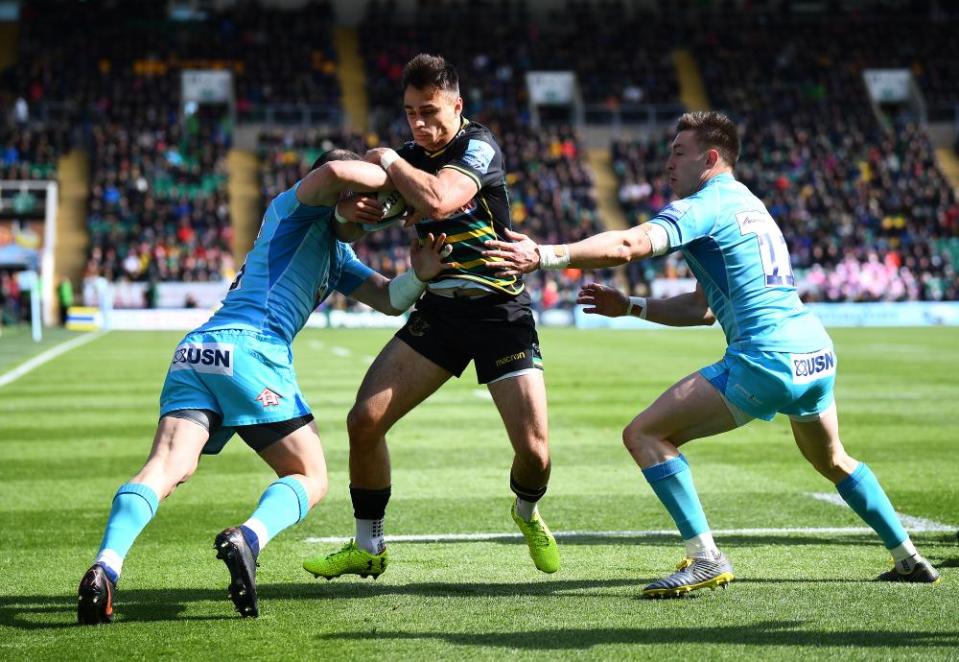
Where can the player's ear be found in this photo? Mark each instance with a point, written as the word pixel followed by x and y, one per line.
pixel 458 105
pixel 712 157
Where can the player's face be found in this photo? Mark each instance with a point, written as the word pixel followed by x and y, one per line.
pixel 687 164
pixel 433 115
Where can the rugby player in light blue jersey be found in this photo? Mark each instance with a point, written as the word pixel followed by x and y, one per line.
pixel 235 374
pixel 779 359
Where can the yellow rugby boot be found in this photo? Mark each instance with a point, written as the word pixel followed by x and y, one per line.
pixel 350 560
pixel 542 544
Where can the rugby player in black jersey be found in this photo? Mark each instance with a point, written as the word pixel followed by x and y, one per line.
pixel 452 174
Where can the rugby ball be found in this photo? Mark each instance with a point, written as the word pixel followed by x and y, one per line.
pixel 394 211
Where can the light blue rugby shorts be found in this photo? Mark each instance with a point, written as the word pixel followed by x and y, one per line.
pixel 244 376
pixel 763 384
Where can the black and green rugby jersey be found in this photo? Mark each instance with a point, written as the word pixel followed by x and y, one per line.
pixel 474 153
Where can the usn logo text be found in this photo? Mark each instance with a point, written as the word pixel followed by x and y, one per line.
pixel 810 367
pixel 213 358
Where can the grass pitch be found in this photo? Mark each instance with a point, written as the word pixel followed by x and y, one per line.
pixel 73 429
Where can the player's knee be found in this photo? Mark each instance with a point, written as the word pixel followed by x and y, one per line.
pixel 363 424
pixel 185 471
pixel 636 437
pixel 316 487
pixel 834 466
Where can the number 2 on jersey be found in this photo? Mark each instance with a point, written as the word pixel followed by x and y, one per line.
pixel 772 247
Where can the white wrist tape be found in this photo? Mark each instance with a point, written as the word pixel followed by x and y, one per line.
pixel 340 218
pixel 405 289
pixel 658 239
pixel 553 257
pixel 637 302
pixel 388 158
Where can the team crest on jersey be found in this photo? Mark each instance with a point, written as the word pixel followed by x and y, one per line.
pixel 268 398
pixel 418 326
pixel 815 365
pixel 479 155
pixel 214 358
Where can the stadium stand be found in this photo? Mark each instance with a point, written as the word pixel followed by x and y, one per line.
pixel 861 201
pixel 30 152
pixel 158 204
pixel 868 213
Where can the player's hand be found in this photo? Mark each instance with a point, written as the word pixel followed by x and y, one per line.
pixel 426 256
pixel 374 155
pixel 361 209
pixel 513 258
pixel 603 300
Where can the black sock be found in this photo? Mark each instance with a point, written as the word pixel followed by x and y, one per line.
pixel 369 504
pixel 531 494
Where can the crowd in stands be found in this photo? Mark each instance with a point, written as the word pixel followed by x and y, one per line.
pixel 158 204
pixel 31 152
pixel 619 54
pixel 860 199
pixel 867 213
pixel 158 207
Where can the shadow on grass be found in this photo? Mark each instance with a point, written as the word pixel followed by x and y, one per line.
pixel 52 612
pixel 773 633
pixel 39 612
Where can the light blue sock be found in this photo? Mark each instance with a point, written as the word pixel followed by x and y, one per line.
pixel 134 505
pixel 672 481
pixel 862 492
pixel 283 504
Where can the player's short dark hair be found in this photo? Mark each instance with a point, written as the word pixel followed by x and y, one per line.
pixel 335 154
pixel 425 71
pixel 713 131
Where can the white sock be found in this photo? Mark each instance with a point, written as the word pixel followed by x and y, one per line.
pixel 111 560
pixel 369 535
pixel 525 509
pixel 905 555
pixel 701 546
pixel 259 528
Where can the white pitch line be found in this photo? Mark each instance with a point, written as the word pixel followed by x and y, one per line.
pixel 572 535
pixel 482 394
pixel 910 523
pixel 46 357
pixel 342 352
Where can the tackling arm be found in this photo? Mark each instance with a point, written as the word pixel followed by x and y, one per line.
pixel 691 309
pixel 375 293
pixel 607 249
pixel 322 187
pixel 394 296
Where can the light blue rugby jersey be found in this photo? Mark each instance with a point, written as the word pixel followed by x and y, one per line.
pixel 740 257
pixel 295 263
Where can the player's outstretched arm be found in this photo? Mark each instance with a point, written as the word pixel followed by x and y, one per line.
pixel 394 296
pixel 435 196
pixel 322 187
pixel 691 309
pixel 607 249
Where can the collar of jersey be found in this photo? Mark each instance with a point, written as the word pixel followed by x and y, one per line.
pixel 432 155
pixel 722 177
